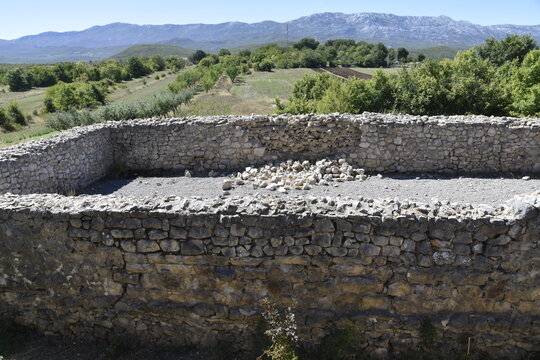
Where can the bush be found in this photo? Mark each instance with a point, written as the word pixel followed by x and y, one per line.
pixel 76 95
pixel 232 72
pixel 137 68
pixel 3 117
pixel 264 65
pixel 159 105
pixel 17 80
pixel 14 114
pixel 197 56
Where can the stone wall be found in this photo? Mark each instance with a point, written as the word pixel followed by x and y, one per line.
pixel 376 142
pixel 62 163
pixel 189 271
pixel 194 272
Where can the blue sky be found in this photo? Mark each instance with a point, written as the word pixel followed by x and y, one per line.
pixel 26 17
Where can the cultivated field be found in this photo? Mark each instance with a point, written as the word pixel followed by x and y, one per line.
pixel 251 94
pixel 372 71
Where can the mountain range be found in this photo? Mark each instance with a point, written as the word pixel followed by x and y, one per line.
pixel 100 42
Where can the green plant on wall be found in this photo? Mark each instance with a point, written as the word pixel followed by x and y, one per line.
pixel 281 329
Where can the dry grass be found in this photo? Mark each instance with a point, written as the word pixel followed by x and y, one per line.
pixel 251 94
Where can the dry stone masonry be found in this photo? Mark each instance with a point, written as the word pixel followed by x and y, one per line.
pixel 194 271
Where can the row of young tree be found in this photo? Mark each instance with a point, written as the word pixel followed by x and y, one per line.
pixel 23 79
pixel 202 77
pixel 496 78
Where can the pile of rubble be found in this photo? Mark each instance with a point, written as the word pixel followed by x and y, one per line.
pixel 296 175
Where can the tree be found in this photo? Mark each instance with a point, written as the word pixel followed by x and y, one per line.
pixel 175 63
pixel 311 59
pixel 42 76
pixel 306 43
pixel 377 56
pixel 197 56
pixel 402 54
pixel 264 65
pixel 76 95
pixel 111 70
pixel 158 63
pixel 232 72
pixel 17 80
pixel 15 114
pixel 526 89
pixel 208 61
pixel 224 52
pixel 244 53
pixel 421 57
pixel 512 47
pixel 3 117
pixel 136 67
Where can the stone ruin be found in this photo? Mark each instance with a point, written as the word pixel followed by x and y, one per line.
pixel 192 271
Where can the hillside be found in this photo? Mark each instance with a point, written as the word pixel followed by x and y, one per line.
pixel 409 31
pixel 152 49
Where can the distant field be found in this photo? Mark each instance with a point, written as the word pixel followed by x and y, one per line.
pixel 372 71
pixel 30 101
pixel 136 90
pixel 251 94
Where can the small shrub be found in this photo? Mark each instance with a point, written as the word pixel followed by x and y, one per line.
pixel 281 331
pixel 3 117
pixel 14 114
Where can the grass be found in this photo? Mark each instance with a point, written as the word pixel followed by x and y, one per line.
pixel 250 94
pixel 136 90
pixel 31 102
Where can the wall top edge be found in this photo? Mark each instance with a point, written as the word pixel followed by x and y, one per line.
pixel 519 208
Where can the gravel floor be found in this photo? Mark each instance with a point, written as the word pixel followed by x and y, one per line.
pixel 474 190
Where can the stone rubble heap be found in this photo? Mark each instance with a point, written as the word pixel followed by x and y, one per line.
pixel 298 175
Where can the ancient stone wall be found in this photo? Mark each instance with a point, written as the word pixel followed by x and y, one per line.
pixel 62 163
pixel 187 271
pixel 195 272
pixel 376 142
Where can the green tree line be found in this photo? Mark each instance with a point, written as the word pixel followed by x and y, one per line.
pixel 25 78
pixel 476 82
